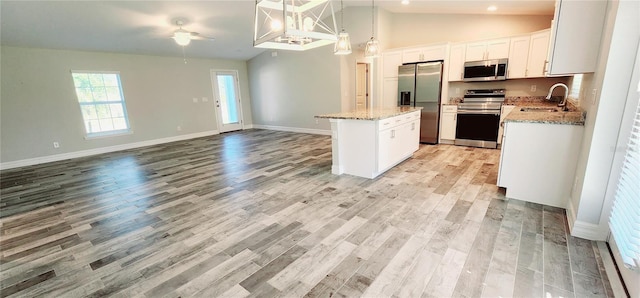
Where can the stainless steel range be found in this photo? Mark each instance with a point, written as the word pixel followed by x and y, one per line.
pixel 479 118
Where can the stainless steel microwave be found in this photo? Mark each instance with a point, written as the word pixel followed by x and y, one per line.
pixel 485 70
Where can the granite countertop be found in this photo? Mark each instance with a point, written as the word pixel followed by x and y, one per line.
pixel 371 114
pixel 572 117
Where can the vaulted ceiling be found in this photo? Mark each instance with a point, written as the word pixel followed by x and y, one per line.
pixel 144 27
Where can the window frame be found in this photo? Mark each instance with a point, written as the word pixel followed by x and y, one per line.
pixel 102 134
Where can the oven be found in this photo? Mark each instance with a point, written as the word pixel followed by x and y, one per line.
pixel 479 118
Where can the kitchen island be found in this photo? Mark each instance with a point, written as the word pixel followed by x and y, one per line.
pixel 368 142
pixel 539 153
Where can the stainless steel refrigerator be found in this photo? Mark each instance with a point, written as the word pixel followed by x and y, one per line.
pixel 419 85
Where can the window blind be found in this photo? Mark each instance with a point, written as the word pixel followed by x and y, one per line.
pixel 625 215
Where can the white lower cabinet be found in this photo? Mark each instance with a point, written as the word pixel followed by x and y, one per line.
pixel 538 161
pixel 448 122
pixel 503 114
pixel 368 148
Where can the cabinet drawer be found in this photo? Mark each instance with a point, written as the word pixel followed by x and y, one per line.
pixel 386 123
pixel 449 108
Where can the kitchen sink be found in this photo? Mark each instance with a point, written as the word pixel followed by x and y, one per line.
pixel 539 109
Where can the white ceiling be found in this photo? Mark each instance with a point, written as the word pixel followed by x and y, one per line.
pixel 144 27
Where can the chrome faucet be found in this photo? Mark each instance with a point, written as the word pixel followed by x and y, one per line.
pixel 563 103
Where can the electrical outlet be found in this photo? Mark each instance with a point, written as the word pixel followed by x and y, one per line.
pixel 594 94
pixel 56 145
pixel 534 88
pixel 274 54
pixel 316 121
pixel 457 91
pixel 179 128
pixel 195 100
pixel 204 99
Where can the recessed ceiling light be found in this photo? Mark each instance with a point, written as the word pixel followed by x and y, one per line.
pixel 405 2
pixel 492 8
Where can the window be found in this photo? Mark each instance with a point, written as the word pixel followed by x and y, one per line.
pixel 625 215
pixel 101 102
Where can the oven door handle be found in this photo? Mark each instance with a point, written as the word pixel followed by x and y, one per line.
pixel 480 112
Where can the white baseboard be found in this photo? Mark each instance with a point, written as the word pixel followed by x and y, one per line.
pixel 583 229
pixel 89 152
pixel 247 126
pixel 294 129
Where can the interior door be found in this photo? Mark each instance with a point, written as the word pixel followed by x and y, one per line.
pixel 227 99
pixel 362 85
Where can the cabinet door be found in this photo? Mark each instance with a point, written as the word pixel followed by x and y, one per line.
pixel 503 114
pixel 476 51
pixel 518 55
pixel 538 54
pixel 576 33
pixel 498 48
pixel 456 62
pixel 411 55
pixel 386 142
pixel 390 92
pixel 505 161
pixel 390 63
pixel 448 128
pixel 434 53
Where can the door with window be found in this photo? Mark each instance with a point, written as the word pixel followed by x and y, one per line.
pixel 226 94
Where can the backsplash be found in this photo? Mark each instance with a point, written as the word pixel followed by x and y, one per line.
pixel 514 100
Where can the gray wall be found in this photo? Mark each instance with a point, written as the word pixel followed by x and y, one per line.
pixel 39 105
pixel 289 89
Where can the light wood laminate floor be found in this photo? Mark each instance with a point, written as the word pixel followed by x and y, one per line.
pixel 257 213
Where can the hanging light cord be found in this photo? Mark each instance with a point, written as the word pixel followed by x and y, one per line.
pixel 342 15
pixel 372 23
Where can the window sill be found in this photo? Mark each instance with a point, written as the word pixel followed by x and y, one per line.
pixel 102 135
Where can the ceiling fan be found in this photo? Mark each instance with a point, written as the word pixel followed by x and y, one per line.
pixel 184 37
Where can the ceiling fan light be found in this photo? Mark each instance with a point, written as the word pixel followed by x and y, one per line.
pixel 372 48
pixel 343 45
pixel 182 38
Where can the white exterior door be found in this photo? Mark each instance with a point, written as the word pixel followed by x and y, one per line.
pixel 227 99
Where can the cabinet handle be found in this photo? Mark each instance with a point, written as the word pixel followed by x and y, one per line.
pixel 461 75
pixel 455 117
pixel 526 72
pixel 393 133
pixel 544 69
pixel 413 126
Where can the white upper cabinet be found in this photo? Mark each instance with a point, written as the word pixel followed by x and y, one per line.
pixel 498 48
pixel 456 62
pixel 411 55
pixel 575 36
pixel 538 49
pixel 488 49
pixel 518 56
pixel 390 62
pixel 436 52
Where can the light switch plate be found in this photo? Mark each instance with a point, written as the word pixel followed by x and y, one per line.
pixel 195 100
pixel 534 88
pixel 204 99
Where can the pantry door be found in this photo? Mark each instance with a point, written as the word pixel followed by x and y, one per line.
pixel 226 94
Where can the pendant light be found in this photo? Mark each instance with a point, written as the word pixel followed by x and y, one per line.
pixel 373 46
pixel 296 25
pixel 343 45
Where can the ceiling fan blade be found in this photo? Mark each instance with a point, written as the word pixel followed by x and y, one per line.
pixel 197 36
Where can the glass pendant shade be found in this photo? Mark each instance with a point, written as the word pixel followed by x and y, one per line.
pixel 343 45
pixel 296 25
pixel 182 38
pixel 372 48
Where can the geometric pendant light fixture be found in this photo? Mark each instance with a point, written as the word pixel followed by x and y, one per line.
pixel 343 45
pixel 296 25
pixel 373 46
